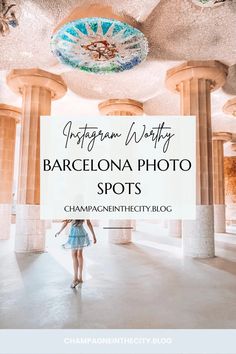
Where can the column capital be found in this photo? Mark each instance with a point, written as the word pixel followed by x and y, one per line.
pixel 230 107
pixel 233 147
pixel 18 78
pixel 222 136
pixel 117 105
pixel 10 112
pixel 211 70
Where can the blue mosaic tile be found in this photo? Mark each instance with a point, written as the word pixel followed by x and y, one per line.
pixel 95 46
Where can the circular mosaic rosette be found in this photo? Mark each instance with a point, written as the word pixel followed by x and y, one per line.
pixel 209 3
pixel 99 45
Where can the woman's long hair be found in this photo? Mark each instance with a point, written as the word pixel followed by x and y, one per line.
pixel 77 222
pixel 74 222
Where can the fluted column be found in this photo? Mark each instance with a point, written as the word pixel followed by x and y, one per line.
pixel 218 180
pixel 120 231
pixel 230 187
pixel 230 170
pixel 38 88
pixel 9 117
pixel 194 81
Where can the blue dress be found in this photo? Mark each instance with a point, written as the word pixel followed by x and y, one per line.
pixel 78 237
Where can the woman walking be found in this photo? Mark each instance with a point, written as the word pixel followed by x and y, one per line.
pixel 78 239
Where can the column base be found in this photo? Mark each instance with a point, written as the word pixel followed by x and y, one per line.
pixel 219 218
pixel 120 236
pixel 5 221
pixel 198 235
pixel 175 228
pixel 30 230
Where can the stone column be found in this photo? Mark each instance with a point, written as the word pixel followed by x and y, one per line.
pixel 230 187
pixel 218 180
pixel 175 228
pixel 121 107
pixel 194 81
pixel 230 170
pixel 9 116
pixel 38 88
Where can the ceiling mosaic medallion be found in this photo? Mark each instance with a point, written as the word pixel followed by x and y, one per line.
pixel 209 3
pixel 99 45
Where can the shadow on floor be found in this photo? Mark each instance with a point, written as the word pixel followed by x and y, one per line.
pixel 220 264
pixel 25 261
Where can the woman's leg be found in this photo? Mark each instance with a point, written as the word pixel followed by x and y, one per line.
pixel 75 263
pixel 81 263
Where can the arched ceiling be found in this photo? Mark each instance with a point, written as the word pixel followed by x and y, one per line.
pixel 180 30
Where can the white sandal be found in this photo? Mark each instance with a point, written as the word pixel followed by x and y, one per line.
pixel 74 284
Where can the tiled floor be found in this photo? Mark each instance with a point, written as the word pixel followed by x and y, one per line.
pixel 146 284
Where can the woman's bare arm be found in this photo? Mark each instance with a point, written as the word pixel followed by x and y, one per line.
pixel 65 223
pixel 90 226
